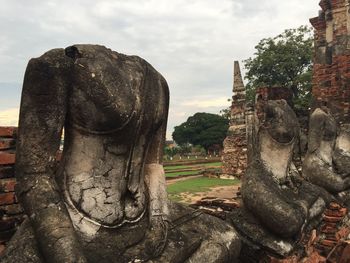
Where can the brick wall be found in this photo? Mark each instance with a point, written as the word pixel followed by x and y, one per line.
pixel 275 93
pixel 11 213
pixel 263 94
pixel 331 72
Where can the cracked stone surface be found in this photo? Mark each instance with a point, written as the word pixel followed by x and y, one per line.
pixel 327 162
pixel 278 204
pixel 106 201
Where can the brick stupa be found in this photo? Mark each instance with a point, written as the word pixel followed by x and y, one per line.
pixel 234 156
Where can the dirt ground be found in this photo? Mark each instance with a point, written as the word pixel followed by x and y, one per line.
pixel 219 192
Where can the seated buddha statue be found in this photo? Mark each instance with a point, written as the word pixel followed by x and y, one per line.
pixel 278 203
pixel 327 162
pixel 106 200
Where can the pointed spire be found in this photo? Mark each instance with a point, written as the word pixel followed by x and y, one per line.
pixel 238 85
pixel 235 145
pixel 238 98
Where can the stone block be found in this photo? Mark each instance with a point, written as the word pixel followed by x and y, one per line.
pixel 8 198
pixel 7 185
pixel 7 158
pixel 8 131
pixel 7 143
pixel 14 209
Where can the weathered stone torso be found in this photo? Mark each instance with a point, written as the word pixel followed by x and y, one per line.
pixel 276 156
pixel 105 150
pixel 100 184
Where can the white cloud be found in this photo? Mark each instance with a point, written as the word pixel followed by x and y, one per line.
pixel 215 102
pixel 191 42
pixel 9 117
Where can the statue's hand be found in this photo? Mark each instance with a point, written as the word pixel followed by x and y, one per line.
pixel 156 236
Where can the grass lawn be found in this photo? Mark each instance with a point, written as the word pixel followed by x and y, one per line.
pixel 168 168
pixel 195 185
pixel 181 173
pixel 212 164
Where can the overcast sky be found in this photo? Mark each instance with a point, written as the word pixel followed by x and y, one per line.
pixel 192 43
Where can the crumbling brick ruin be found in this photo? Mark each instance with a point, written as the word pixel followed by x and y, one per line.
pixel 330 84
pixel 331 72
pixel 244 122
pixel 10 211
pixel 264 94
pixel 234 158
pixel 329 240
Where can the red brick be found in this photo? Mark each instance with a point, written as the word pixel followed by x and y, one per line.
pixel 345 257
pixel 328 229
pixel 337 213
pixel 7 185
pixel 331 83
pixel 332 219
pixel 324 249
pixel 6 143
pixel 328 243
pixel 9 210
pixel 7 158
pixel 8 198
pixel 343 233
pixel 8 131
pixel 334 206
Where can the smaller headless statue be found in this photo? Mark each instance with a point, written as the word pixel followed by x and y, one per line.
pixel 106 201
pixel 272 191
pixel 327 162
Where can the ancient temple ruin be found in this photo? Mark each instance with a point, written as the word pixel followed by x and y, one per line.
pixel 331 76
pixel 265 189
pixel 244 123
pixel 326 166
pixel 234 156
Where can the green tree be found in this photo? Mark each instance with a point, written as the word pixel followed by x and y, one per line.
pixel 170 151
pixel 226 113
pixel 204 129
pixel 185 149
pixel 284 61
pixel 198 150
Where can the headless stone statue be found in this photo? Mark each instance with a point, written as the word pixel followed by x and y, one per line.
pixel 106 201
pixel 327 162
pixel 278 204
